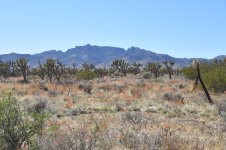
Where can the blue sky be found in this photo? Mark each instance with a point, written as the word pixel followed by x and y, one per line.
pixel 181 28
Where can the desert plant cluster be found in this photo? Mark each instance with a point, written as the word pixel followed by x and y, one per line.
pixel 124 106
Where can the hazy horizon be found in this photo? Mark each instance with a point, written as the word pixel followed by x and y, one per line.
pixel 182 29
pixel 104 46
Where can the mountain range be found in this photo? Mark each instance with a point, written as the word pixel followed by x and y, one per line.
pixel 101 56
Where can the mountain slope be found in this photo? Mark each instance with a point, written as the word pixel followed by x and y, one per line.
pixel 99 56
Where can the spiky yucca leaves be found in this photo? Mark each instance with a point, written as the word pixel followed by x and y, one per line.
pixel 135 68
pixel 54 69
pixel 87 66
pixel 4 69
pixel 101 72
pixel 12 67
pixel 169 67
pixel 22 66
pixel 59 70
pixel 72 70
pixel 120 67
pixel 40 71
pixel 49 66
pixel 154 68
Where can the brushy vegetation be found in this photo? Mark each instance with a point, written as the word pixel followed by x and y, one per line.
pixel 18 126
pixel 213 75
pixel 111 108
pixel 85 75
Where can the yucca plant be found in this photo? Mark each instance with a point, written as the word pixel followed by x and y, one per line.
pixel 169 67
pixel 120 67
pixel 23 67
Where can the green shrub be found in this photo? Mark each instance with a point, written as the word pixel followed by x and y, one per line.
pixel 18 126
pixel 172 96
pixel 215 79
pixel 213 75
pixel 190 73
pixel 85 75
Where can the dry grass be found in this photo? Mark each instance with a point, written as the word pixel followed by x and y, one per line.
pixel 126 113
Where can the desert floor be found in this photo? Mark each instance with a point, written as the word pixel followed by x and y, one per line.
pixel 125 113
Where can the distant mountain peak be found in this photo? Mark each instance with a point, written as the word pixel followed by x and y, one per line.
pixel 99 56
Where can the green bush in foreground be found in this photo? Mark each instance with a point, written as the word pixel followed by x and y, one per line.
pixel 213 75
pixel 190 73
pixel 215 79
pixel 18 126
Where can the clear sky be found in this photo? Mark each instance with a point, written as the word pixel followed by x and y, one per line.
pixel 181 28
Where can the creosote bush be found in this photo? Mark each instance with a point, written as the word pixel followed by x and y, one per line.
pixel 85 75
pixel 18 126
pixel 215 79
pixel 213 75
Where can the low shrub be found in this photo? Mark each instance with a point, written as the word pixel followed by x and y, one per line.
pixel 18 126
pixel 85 75
pixel 119 88
pixel 85 87
pixel 106 87
pixel 54 92
pixel 213 75
pixel 172 96
pixel 190 73
pixel 215 79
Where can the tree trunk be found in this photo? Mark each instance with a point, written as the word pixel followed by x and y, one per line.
pixel 170 77
pixel 203 86
pixel 25 77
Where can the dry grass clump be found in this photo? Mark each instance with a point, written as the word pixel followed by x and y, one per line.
pixel 54 93
pixel 136 119
pixel 86 87
pixel 119 88
pixel 136 93
pixel 221 105
pixel 121 105
pixel 75 139
pixel 106 87
pixel 173 97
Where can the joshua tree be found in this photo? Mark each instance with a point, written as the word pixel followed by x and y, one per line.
pixel 101 72
pixel 59 70
pixel 70 71
pixel 88 66
pixel 12 66
pixel 120 66
pixel 154 68
pixel 169 67
pixel 22 66
pixel 195 65
pixel 135 68
pixel 4 69
pixel 40 71
pixel 50 66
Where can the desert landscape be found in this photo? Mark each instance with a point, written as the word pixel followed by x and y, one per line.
pixel 116 111
pixel 112 75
